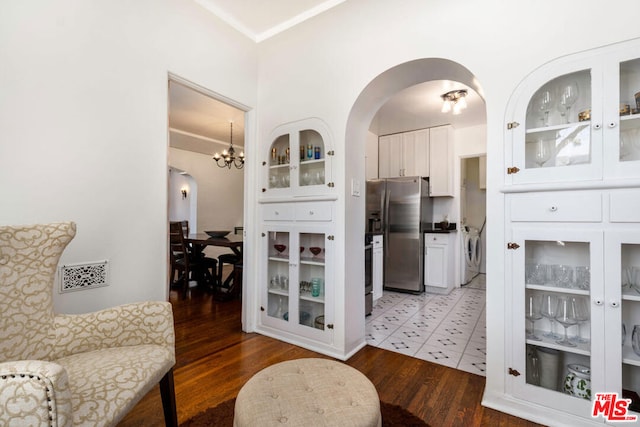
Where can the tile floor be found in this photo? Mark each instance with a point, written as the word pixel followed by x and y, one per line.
pixel 444 329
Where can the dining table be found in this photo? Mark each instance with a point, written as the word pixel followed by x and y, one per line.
pixel 199 241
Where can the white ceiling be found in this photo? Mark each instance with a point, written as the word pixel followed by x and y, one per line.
pixel 193 113
pixel 261 19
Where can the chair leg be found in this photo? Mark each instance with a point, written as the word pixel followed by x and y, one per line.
pixel 168 394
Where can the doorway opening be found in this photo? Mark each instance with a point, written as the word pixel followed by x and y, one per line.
pixel 200 192
pixel 362 122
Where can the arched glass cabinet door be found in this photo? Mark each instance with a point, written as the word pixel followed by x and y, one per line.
pixel 298 160
pixel 558 131
pixel 577 118
pixel 312 159
pixel 280 163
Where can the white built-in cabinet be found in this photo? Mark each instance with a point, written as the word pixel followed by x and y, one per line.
pixel 439 262
pixel 572 229
pixel 296 283
pixel 424 152
pixel 404 154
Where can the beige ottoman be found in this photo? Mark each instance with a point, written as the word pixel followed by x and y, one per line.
pixel 308 392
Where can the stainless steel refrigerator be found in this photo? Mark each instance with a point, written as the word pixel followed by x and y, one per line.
pixel 401 210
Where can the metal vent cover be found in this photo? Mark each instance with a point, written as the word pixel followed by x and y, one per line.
pixel 76 277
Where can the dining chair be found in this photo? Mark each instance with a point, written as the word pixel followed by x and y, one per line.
pixel 187 263
pixel 228 288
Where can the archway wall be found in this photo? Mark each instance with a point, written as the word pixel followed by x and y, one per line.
pixel 323 66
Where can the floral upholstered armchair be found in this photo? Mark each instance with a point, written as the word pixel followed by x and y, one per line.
pixel 73 370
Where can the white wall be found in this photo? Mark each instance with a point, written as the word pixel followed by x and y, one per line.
pixel 180 207
pixel 321 67
pixel 83 114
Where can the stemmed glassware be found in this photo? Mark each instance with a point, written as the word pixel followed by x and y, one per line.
pixel 548 310
pixel 566 315
pixel 543 151
pixel 533 314
pixel 568 96
pixel 582 316
pixel 542 103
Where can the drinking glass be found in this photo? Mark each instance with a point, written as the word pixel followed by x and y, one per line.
pixel 543 151
pixel 583 277
pixel 536 274
pixel 568 96
pixel 635 339
pixel 566 316
pixel 532 314
pixel 548 310
pixel 562 275
pixel 582 316
pixel 542 103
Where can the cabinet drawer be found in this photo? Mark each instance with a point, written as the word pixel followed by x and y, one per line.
pixel 313 212
pixel 556 207
pixel 625 206
pixel 278 212
pixel 436 238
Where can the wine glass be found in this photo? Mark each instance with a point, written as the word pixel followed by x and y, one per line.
pixel 532 314
pixel 280 248
pixel 315 250
pixel 566 315
pixel 548 310
pixel 568 96
pixel 582 316
pixel 543 151
pixel 542 103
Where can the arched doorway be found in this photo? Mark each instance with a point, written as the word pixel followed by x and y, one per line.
pixel 371 99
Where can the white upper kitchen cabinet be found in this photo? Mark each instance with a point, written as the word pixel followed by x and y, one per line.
pixel 404 154
pixel 441 161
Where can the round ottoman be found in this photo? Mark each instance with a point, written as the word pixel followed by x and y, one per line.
pixel 308 392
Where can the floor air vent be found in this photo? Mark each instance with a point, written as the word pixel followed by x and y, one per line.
pixel 76 277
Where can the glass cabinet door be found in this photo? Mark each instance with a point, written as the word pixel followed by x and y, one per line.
pixel 298 288
pixel 312 276
pixel 557 133
pixel 298 160
pixel 312 159
pixel 278 274
pixel 623 326
pixel 280 163
pixel 555 275
pixel 622 127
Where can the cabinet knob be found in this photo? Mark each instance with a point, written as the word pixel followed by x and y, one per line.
pixel 310 212
pixel 614 304
pixel 598 301
pixel 553 208
pixel 612 124
pixel 597 126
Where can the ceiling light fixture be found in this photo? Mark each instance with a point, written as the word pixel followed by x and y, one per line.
pixel 454 100
pixel 228 156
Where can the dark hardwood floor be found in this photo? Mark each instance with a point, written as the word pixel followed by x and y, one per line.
pixel 215 358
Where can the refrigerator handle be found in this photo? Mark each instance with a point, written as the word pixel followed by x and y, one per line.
pixel 385 223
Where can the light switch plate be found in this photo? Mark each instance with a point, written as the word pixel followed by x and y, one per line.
pixel 355 187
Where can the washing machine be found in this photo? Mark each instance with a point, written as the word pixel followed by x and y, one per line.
pixel 471 253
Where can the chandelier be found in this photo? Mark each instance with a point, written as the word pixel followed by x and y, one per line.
pixel 228 156
pixel 454 100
